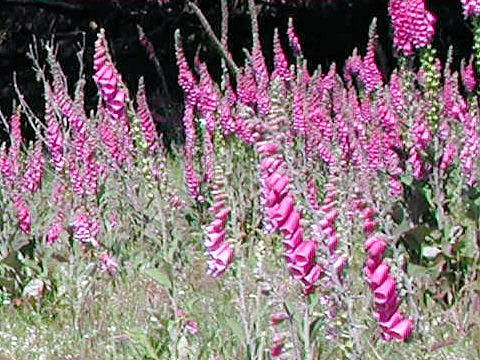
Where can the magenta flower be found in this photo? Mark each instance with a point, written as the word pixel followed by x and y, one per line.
pixel 470 8
pixel 83 230
pixel 370 75
pixel 413 25
pixel 146 119
pixel 54 137
pixel 281 67
pixel 383 285
pixel 108 79
pixel 468 73
pixel 108 263
pixel 55 229
pixel 192 327
pixel 293 38
pixel 32 178
pixel 23 214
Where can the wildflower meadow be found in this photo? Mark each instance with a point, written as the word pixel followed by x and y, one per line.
pixel 327 214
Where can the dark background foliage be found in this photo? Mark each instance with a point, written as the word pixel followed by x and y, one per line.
pixel 329 31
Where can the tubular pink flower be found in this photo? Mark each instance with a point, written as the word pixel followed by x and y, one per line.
pixel 280 62
pixel 17 141
pixel 246 87
pixel 396 93
pixel 293 39
pixel 6 167
pixel 470 8
pixel 55 229
pixel 23 214
pixel 32 178
pixel 146 119
pixel 108 79
pixel 468 73
pixel 281 215
pixel 370 75
pixel 421 133
pixel 208 101
pixel 448 156
pixel 54 137
pixel 413 25
pixel 108 263
pixel 84 230
pixel 299 121
pixel 383 285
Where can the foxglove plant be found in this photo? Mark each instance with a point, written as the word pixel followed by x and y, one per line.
pixel 108 79
pixel 413 25
pixel 470 8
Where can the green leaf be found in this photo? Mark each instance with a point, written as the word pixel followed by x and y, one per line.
pixel 161 277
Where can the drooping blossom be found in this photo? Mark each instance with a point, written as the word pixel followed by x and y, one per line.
pixel 393 324
pixel 56 228
pixel 448 156
pixel 218 247
pixel 192 327
pixel 280 215
pixel 84 229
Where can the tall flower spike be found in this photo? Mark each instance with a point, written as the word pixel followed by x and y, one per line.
pixel 54 136
pixel 280 61
pixel 293 39
pixel 470 8
pixel 393 324
pixel 108 79
pixel 413 25
pixel 32 178
pixel 23 214
pixel 369 72
pixel 146 120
